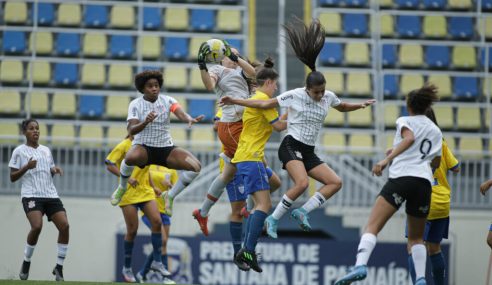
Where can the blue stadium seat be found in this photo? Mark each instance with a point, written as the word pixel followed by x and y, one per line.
pixel 96 16
pixel 329 2
pixel 331 54
pixel 151 18
pixel 202 20
pixel 486 5
pixel 236 43
pixel 460 27
pixel 408 26
pixel 46 14
pixel 121 46
pixel 390 85
pixel 91 106
pixel 437 56
pixel 355 24
pixel 482 57
pixel 66 73
pixel 176 48
pixel 435 4
pixel 356 3
pixel 389 55
pixel 465 87
pixel 14 42
pixel 197 107
pixel 67 44
pixel 407 4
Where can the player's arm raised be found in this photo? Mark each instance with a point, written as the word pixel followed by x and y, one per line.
pixel 185 117
pixel 260 104
pixel 349 107
pixel 135 126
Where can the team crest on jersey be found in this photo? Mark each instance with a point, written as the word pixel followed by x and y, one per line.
pixel 298 154
pixel 31 204
pixel 398 199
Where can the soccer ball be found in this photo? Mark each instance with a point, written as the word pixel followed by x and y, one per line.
pixel 217 50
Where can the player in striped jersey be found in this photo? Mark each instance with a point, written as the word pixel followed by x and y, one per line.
pixel 484 187
pixel 33 164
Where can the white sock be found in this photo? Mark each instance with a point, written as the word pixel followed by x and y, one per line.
pixel 62 252
pixel 28 251
pixel 185 178
pixel 213 194
pixel 282 207
pixel 125 173
pixel 314 202
pixel 366 245
pixel 419 255
pixel 250 203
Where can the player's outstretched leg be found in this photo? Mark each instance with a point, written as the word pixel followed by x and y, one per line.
pixel 355 274
pixel 202 221
pixel 271 226
pixel 301 216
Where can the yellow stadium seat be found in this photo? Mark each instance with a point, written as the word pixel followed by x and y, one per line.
pixel 120 75
pixel 10 132
pixel 360 118
pixel 43 133
pixel 334 81
pixel 411 55
pixel 332 22
pixel 69 14
pixel 95 44
pixel 11 71
pixel 116 133
pixel 335 142
pixel 176 19
pixel 391 113
pixel 409 82
pixel 176 77
pixel 361 143
pixel 117 106
pixel 470 146
pixel 44 42
pixel 444 116
pixel 122 17
pixel 468 118
pixel 229 21
pixel 195 44
pixel 63 104
pixel 450 141
pixel 487 82
pixel 390 137
pixel 150 46
pixel 443 83
pixel 39 103
pixel 487 21
pixel 196 80
pixel 63 134
pixel 385 3
pixel 357 53
pixel 204 137
pixel 15 12
pixel 488 118
pixel 460 4
pixel 335 118
pixel 10 102
pixel 435 27
pixel 387 25
pixel 179 135
pixel 93 74
pixel 358 84
pixel 91 135
pixel 464 57
pixel 41 72
pixel 183 103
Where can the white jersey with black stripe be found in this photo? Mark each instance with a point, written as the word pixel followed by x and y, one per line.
pixel 36 182
pixel 155 134
pixel 415 161
pixel 306 116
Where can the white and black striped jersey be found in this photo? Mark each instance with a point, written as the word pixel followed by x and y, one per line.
pixel 415 161
pixel 36 182
pixel 155 134
pixel 306 116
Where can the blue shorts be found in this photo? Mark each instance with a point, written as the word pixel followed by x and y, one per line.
pixel 235 188
pixel 254 175
pixel 166 220
pixel 435 230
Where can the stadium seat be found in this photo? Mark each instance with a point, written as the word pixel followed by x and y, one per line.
pixel 152 18
pixel 391 113
pixel 38 104
pixel 63 104
pixel 41 71
pixel 44 42
pixel 66 73
pixel 179 136
pixel 355 24
pixel 390 137
pixel 435 4
pixel 183 102
pixel 461 27
pixel 329 2
pixel 334 82
pixel 487 87
pixel 195 43
pixel 407 4
pixel 96 16
pixel 14 42
pixel 411 55
pixel 360 118
pixel 121 46
pixel 236 43
pixel 460 4
pixel 437 56
pixel 67 44
pixel 387 25
pixel 487 5
pixel 117 106
pixel 204 138
pixel 95 45
pixel 465 87
pixel 63 135
pixel 117 133
pixel 390 85
pixel 69 14
pixel 176 77
pixel 91 105
pixel 389 55
pixel 468 118
pixel 444 116
pixel 91 135
pixel 332 22
pixel 408 26
pixel 93 74
pixel 46 14
pixel 483 57
pixel 196 80
pixel 10 133
pixel 361 143
pixel 120 76
pixel 385 3
pixel 122 17
pixel 10 102
pixel 464 57
pixel 176 48
pixel 202 20
pixel 435 26
pixel 334 141
pixel 331 54
pixel 206 107
pixel 485 26
pixel 356 53
pixel 356 3
pixel 11 71
pixel 487 121
pixel 450 141
pixel 443 83
pixel 471 147
pixel 229 21
pixel 15 12
pixel 409 82
pixel 335 118
pixel 150 46
pixel 358 84
pixel 176 19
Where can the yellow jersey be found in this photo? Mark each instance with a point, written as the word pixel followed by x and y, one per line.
pixel 257 129
pixel 441 192
pixel 134 195
pixel 160 174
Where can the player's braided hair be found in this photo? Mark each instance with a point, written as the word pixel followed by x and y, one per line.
pixel 266 72
pixel 144 76
pixel 419 100
pixel 26 123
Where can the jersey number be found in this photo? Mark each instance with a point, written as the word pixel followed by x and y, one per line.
pixel 425 148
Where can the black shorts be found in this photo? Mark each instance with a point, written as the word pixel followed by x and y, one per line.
pixel 157 155
pixel 292 149
pixel 48 206
pixel 415 190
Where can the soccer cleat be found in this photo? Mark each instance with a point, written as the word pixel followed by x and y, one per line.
pixel 250 258
pixel 421 281
pixel 58 272
pixel 202 221
pixel 24 272
pixel 167 280
pixel 140 277
pixel 128 275
pixel 301 216
pixel 244 213
pixel 168 203
pixel 240 263
pixel 355 274
pixel 117 195
pixel 160 268
pixel 271 226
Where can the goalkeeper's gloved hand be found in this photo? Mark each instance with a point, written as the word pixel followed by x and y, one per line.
pixel 202 55
pixel 232 56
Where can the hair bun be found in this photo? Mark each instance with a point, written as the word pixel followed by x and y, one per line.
pixel 268 63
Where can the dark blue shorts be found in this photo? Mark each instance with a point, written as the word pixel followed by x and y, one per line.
pixel 235 188
pixel 166 220
pixel 435 230
pixel 254 175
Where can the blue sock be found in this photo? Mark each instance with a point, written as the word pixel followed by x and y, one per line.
pixel 164 260
pixel 411 268
pixel 236 230
pixel 156 239
pixel 438 268
pixel 246 228
pixel 128 253
pixel 146 267
pixel 255 229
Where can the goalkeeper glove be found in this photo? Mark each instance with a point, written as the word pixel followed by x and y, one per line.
pixel 232 56
pixel 202 55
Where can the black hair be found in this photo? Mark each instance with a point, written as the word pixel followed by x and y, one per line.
pixel 419 100
pixel 252 81
pixel 26 123
pixel 431 115
pixel 266 72
pixel 307 42
pixel 144 76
